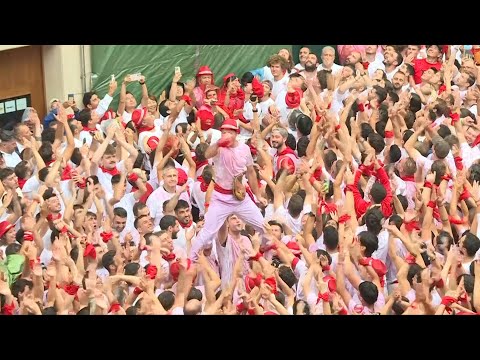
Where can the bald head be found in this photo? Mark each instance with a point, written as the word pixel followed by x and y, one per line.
pixel 192 307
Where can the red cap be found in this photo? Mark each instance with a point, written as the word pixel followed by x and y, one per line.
pixel 152 142
pixel 4 227
pixel 229 124
pixel 182 176
pixel 206 119
pixel 226 77
pixel 138 115
pixel 294 248
pixel 204 70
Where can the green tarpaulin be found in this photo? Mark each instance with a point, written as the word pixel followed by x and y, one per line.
pixel 157 63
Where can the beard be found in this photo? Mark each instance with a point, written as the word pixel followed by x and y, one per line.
pixel 174 235
pixel 310 68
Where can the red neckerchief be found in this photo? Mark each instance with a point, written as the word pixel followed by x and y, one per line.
pixel 286 151
pixel 408 178
pixel 144 128
pixel 145 196
pixel 203 184
pixel 199 164
pixel 112 172
pixel 91 131
pixel 476 141
pixel 21 182
pixel 186 226
pixel 169 257
pixel 66 173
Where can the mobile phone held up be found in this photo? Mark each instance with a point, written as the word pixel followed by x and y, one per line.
pixel 71 98
pixel 253 98
pixel 177 69
pixel 135 77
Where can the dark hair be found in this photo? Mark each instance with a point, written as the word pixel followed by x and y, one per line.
pixel 167 221
pixel 131 268
pixel 368 291
pixel 306 307
pixel 378 193
pixel 413 270
pixel 132 310
pixel 330 158
pixel 330 237
pixel 304 124
pixel 194 293
pixel 287 275
pixel 395 153
pixel 471 243
pixel 120 212
pixel 137 207
pixel 295 205
pixel 373 218
pixel 365 130
pixel 396 220
pixel 302 145
pixel 20 285
pixel 167 299
pixel 276 223
pixel 247 78
pixel 46 151
pixel 376 141
pixel 5 173
pixel 181 204
pixel 370 241
pixel 291 142
pixel 107 259
pixel 326 254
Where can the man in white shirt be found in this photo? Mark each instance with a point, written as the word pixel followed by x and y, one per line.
pixel 93 102
pixel 9 150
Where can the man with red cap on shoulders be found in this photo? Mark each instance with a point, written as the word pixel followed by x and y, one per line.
pixel 204 78
pixel 232 159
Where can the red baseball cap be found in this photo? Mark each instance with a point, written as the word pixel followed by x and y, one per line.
pixel 4 227
pixel 138 115
pixel 229 124
pixel 182 176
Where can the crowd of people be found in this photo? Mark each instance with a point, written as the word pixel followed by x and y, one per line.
pixel 293 189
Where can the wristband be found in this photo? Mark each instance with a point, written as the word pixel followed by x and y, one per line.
pixel 256 257
pixel 323 297
pixel 28 236
pixel 255 111
pixel 427 184
pixel 344 218
pixel 137 291
pixel 431 204
pixel 207 204
pixel 64 230
pixel 364 261
pixel 326 268
pixel 133 177
pixel 343 311
pixel 448 301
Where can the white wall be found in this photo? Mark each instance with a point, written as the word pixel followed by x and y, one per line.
pixel 62 66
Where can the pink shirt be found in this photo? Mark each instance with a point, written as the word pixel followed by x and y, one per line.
pixel 198 97
pixel 231 162
pixel 228 255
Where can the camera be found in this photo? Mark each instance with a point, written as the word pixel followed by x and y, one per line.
pixel 253 98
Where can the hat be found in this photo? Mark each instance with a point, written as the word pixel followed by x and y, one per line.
pixel 229 124
pixel 204 70
pixel 206 119
pixel 210 88
pixel 138 115
pixel 182 176
pixel 152 142
pixel 228 76
pixel 52 100
pixel 4 227
pixel 294 248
